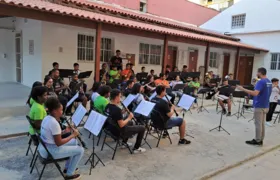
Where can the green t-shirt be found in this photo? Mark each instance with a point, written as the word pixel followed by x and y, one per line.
pixel 113 73
pixel 100 103
pixel 37 112
pixel 31 101
pixel 194 84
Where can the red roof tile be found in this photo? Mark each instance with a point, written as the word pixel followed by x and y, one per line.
pixel 56 8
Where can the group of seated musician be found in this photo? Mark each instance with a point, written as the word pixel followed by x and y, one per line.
pixel 128 89
pixel 101 101
pixel 76 86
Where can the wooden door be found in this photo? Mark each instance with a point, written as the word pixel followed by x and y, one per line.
pixel 226 65
pixel 245 70
pixel 193 56
pixel 172 56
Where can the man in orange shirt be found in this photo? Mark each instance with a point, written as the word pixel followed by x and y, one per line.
pixel 162 81
pixel 126 74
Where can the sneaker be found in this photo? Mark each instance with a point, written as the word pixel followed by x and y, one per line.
pixel 184 141
pixel 139 150
pixel 76 171
pixel 224 111
pixel 75 176
pixel 123 146
pixel 229 114
pixel 254 142
pixel 268 124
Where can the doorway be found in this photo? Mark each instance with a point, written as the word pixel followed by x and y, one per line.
pixel 245 69
pixel 18 58
pixel 226 65
pixel 193 56
pixel 172 56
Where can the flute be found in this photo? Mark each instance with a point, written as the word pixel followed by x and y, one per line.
pixel 78 137
pixel 171 104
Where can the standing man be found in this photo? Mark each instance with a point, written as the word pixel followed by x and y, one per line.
pixel 117 60
pixel 261 104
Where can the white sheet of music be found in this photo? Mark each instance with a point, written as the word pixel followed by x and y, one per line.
pixel 186 102
pixel 95 122
pixel 155 94
pixel 79 115
pixel 72 100
pixel 129 99
pixel 222 97
pixel 145 108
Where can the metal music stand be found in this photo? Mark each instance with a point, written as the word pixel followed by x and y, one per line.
pixel 219 128
pixel 194 74
pixel 239 94
pixel 172 75
pixel 202 91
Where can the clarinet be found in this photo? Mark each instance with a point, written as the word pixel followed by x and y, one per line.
pixel 171 104
pixel 127 110
pixel 79 138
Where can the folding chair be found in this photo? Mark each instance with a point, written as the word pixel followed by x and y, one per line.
pixel 112 130
pixel 158 123
pixel 32 139
pixel 48 160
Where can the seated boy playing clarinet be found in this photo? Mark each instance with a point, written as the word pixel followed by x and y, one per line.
pixel 226 91
pixel 76 86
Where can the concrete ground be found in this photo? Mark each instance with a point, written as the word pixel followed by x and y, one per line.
pixel 209 152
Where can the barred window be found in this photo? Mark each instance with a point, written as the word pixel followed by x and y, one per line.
pixel 213 60
pixel 149 54
pixel 275 61
pixel 85 47
pixel 106 49
pixel 238 21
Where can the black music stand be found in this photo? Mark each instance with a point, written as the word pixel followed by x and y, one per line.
pixel 178 87
pixel 219 128
pixel 233 82
pixel 65 73
pixel 239 94
pixel 184 75
pixel 173 75
pixel 84 75
pixel 215 81
pixel 202 91
pixel 194 74
pixel 95 133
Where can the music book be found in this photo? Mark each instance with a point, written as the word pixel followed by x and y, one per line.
pixel 79 115
pixel 95 122
pixel 155 94
pixel 222 97
pixel 72 100
pixel 128 100
pixel 186 101
pixel 145 108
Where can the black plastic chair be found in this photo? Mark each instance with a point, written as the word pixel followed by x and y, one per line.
pixel 160 125
pixel 48 160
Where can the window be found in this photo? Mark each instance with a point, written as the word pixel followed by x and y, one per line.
pixel 85 47
pixel 106 49
pixel 213 60
pixel 275 61
pixel 238 21
pixel 143 5
pixel 149 54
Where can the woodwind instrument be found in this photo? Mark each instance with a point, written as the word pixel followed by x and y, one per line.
pixel 78 137
pixel 127 110
pixel 171 105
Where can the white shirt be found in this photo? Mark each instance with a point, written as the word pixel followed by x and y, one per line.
pixel 94 96
pixel 49 128
pixel 174 83
pixel 274 95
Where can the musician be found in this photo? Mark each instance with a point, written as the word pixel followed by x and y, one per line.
pixel 55 66
pixel 104 76
pixel 137 90
pixel 76 67
pixel 95 88
pixel 128 89
pixel 150 86
pixel 226 92
pixel 176 81
pixel 58 83
pixel 127 73
pixel 164 82
pixel 273 100
pixel 116 60
pixel 59 147
pixel 209 85
pixel 114 73
pixel 30 100
pixel 76 86
pixel 101 101
pixel 167 69
pixel 229 76
pixel 194 83
pixel 143 69
pixel 127 128
pixel 37 111
pixel 152 73
pixel 167 112
pixel 185 68
pixel 175 69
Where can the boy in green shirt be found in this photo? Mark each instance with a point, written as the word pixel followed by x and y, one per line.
pixel 101 101
pixel 114 74
pixel 37 112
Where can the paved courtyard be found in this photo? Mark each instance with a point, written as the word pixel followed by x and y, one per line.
pixel 209 152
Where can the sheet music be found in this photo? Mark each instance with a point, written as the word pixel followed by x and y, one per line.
pixel 95 122
pixel 145 108
pixel 155 94
pixel 222 97
pixel 129 99
pixel 79 114
pixel 72 100
pixel 186 102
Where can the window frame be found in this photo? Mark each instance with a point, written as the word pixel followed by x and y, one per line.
pixel 212 60
pixel 277 62
pixel 86 48
pixel 145 4
pixel 102 50
pixel 156 57
pixel 236 21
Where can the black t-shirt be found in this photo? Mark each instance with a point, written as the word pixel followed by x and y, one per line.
pixel 162 107
pixel 126 92
pixel 117 61
pixel 225 90
pixel 57 83
pixel 115 113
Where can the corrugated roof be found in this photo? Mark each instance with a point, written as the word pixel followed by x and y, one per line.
pixel 56 8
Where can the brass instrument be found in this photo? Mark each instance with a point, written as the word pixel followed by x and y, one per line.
pixel 104 78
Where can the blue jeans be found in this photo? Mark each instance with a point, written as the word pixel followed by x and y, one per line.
pixel 70 149
pixel 174 121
